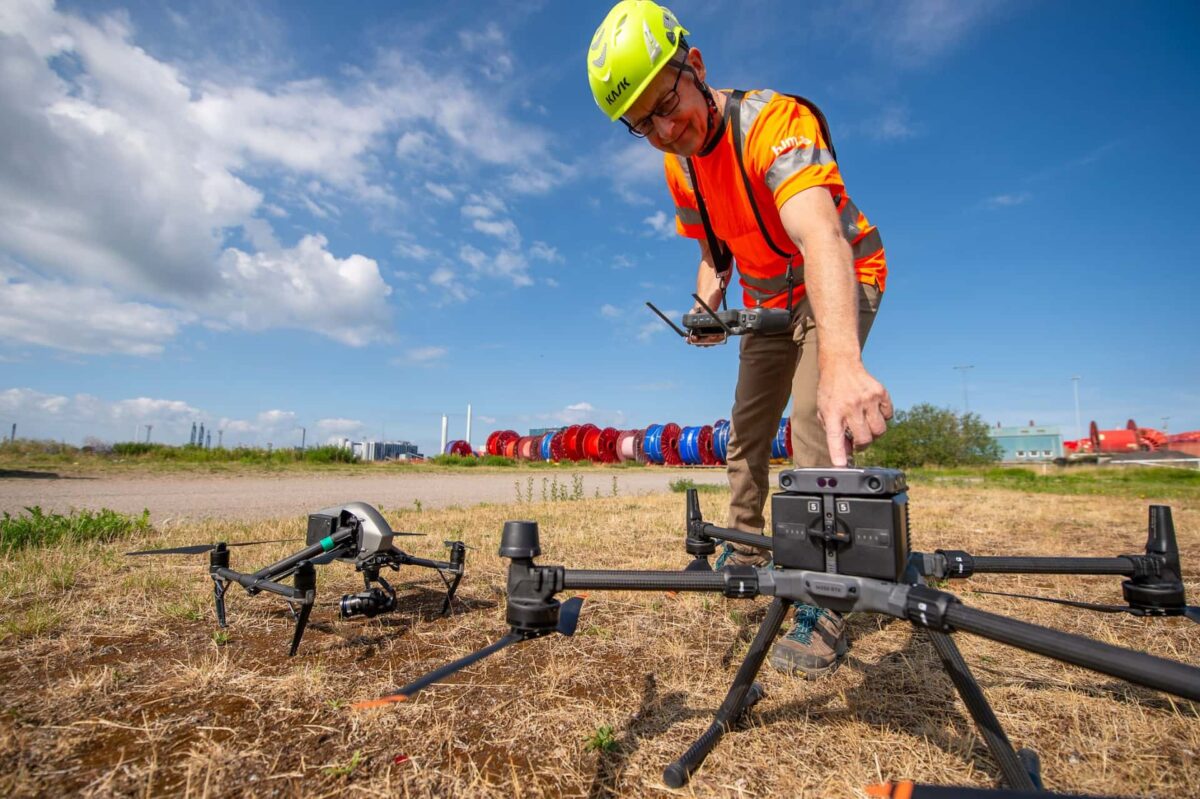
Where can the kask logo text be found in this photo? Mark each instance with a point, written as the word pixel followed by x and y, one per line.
pixel 612 96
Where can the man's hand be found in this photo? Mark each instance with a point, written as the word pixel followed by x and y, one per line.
pixel 851 403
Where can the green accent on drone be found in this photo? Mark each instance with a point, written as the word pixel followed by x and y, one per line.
pixel 327 543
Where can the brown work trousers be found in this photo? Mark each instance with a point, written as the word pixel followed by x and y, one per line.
pixel 765 365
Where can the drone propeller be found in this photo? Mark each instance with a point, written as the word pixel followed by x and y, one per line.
pixel 1190 611
pixel 200 549
pixel 698 565
pixel 568 621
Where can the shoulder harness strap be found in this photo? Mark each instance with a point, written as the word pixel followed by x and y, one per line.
pixel 735 103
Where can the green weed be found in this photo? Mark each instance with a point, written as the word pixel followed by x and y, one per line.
pixel 35 528
pixel 602 740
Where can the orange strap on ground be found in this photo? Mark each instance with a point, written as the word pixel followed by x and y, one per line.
pixel 891 790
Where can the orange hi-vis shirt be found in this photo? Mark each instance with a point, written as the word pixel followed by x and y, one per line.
pixel 784 154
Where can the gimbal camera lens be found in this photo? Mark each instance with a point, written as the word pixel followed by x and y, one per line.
pixel 367 603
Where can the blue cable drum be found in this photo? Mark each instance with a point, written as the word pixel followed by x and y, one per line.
pixel 653 443
pixel 689 446
pixel 779 448
pixel 721 440
pixel 546 446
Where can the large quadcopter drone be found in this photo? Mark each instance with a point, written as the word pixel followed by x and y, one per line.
pixel 841 541
pixel 352 533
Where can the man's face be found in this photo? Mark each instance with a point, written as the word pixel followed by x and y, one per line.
pixel 680 132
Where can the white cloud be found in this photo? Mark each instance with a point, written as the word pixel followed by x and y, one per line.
pixel 305 287
pixel 641 179
pixel 333 430
pixel 662 224
pixel 892 123
pixel 581 413
pixel 84 415
pixel 542 251
pixel 610 311
pixel 421 355
pixel 1008 200
pixel 439 191
pixel 914 33
pixel 83 319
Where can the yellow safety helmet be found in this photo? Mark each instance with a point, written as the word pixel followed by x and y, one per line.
pixel 633 43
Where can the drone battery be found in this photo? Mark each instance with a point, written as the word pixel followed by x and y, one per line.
pixel 868 535
pixel 320 526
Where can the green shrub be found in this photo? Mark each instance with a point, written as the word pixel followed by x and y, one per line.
pixel 925 435
pixel 40 529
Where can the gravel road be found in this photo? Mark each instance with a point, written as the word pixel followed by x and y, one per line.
pixel 250 497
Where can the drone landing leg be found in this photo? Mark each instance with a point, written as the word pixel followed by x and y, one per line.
pixel 458 554
pixel 305 585
pixel 1016 774
pixel 219 558
pixel 743 693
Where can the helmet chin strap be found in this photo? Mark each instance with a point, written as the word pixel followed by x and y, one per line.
pixel 711 128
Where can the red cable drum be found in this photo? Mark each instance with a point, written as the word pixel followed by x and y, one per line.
pixel 525 448
pixel 459 447
pixel 497 442
pixel 670 444
pixel 589 442
pixel 510 447
pixel 571 450
pixel 608 445
pixel 639 447
pixel 707 456
pixel 557 447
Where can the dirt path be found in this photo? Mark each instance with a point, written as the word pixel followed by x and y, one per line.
pixel 262 497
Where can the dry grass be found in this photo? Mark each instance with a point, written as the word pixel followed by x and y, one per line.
pixel 115 684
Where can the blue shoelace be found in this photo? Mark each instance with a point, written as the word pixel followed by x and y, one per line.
pixel 806 620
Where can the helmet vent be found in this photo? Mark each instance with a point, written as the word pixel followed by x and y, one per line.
pixel 652 47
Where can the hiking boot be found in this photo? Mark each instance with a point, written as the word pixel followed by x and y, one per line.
pixel 747 556
pixel 815 646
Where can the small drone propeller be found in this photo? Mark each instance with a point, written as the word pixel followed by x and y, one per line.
pixel 200 549
pixel 1189 611
pixel 698 565
pixel 568 621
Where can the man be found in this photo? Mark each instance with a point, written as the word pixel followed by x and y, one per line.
pixel 771 196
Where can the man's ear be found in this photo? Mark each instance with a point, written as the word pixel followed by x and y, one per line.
pixel 696 61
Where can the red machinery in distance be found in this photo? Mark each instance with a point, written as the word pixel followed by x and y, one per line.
pixel 1129 438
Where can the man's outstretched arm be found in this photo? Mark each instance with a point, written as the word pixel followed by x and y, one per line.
pixel 848 397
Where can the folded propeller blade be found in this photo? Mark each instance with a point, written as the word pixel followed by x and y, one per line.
pixel 1191 611
pixel 437 675
pixel 698 565
pixel 200 549
pixel 1069 602
pixel 568 615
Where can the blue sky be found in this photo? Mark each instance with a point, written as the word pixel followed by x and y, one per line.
pixel 355 218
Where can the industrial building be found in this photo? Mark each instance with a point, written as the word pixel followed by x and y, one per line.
pixel 1026 444
pixel 382 450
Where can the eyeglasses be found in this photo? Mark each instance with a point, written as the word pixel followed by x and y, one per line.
pixel 666 106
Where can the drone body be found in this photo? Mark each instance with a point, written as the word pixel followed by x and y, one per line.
pixel 352 533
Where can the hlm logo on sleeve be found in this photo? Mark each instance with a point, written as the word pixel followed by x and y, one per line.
pixel 791 143
pixel 612 96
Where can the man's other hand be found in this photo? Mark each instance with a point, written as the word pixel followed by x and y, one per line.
pixel 851 403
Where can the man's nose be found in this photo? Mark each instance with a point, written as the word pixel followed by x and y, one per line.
pixel 664 126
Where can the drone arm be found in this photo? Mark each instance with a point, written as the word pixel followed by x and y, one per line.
pixel 953 563
pixel 256 584
pixel 341 538
pixel 927 607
